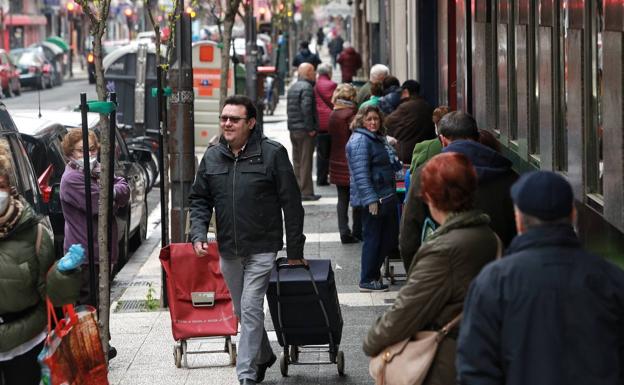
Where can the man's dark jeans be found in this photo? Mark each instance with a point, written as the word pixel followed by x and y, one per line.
pixel 381 236
pixel 323 147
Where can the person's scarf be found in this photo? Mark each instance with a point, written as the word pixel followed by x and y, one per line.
pixel 341 104
pixel 11 216
pixel 95 173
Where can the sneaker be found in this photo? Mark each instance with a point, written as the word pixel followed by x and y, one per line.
pixel 310 197
pixel 373 286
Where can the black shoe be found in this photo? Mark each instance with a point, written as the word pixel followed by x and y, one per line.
pixel 112 352
pixel 310 197
pixel 357 236
pixel 247 381
pixel 346 239
pixel 262 368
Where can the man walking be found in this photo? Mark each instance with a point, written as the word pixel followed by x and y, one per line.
pixel 303 127
pixel 248 180
pixel 548 312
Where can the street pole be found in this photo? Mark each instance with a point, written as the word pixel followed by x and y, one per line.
pixel 251 60
pixel 182 129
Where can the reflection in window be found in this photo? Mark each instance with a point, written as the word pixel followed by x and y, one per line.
pixel 598 155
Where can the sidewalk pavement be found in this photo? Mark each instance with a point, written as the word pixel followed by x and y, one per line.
pixel 143 338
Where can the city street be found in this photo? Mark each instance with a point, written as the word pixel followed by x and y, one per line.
pixel 65 97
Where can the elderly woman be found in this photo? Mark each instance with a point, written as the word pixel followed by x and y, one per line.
pixel 372 166
pixel 73 199
pixel 28 274
pixel 339 121
pixel 444 265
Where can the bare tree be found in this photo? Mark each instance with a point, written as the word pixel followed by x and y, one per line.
pixel 97 12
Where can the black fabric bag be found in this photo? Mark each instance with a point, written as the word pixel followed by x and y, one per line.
pixel 302 319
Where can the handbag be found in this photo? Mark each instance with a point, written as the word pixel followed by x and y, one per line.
pixel 73 354
pixel 408 362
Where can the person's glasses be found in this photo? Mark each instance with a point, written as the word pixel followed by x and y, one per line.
pixel 92 149
pixel 233 119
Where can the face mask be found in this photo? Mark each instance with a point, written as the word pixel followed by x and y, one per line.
pixel 4 201
pixel 93 162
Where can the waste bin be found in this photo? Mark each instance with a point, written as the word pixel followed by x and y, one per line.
pixel 239 84
pixel 130 71
pixel 206 86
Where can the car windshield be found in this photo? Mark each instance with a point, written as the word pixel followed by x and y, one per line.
pixel 26 58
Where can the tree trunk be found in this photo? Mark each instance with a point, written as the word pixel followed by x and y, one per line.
pixel 228 24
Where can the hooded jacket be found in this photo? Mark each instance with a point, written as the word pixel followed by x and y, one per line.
pixel 371 170
pixel 26 278
pixel 248 193
pixel 390 100
pixel 495 177
pixel 436 286
pixel 323 92
pixel 548 312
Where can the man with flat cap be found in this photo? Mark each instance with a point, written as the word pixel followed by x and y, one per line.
pixel 548 312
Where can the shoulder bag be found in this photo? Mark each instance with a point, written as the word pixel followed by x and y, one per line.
pixel 408 362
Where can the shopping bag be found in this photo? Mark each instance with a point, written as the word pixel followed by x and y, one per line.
pixel 73 354
pixel 200 304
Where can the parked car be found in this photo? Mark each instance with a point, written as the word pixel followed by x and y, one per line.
pixel 43 138
pixel 35 69
pixel 54 55
pixel 240 48
pixel 9 75
pixel 23 177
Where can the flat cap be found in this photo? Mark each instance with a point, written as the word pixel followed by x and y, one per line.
pixel 544 195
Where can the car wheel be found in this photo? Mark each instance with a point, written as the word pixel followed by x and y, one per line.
pixel 50 85
pixel 41 83
pixel 141 232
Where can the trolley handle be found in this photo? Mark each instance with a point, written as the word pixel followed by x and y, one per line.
pixel 282 263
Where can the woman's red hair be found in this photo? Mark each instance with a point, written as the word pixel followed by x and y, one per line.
pixel 448 181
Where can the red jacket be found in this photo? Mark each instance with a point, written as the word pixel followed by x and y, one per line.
pixel 350 61
pixel 323 91
pixel 339 121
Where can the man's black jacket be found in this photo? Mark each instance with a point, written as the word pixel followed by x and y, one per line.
pixel 548 312
pixel 248 194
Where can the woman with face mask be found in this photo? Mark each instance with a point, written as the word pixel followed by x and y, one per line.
pixel 28 274
pixel 73 200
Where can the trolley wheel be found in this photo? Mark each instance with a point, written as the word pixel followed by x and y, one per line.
pixel 340 362
pixel 184 354
pixel 232 352
pixel 177 355
pixel 294 353
pixel 284 365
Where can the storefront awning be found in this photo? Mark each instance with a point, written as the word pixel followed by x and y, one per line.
pixel 24 20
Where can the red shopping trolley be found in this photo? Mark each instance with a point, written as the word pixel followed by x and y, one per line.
pixel 199 300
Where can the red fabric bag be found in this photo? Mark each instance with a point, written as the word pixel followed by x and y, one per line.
pixel 187 274
pixel 73 353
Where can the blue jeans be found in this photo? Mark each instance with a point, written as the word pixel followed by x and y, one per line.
pixel 248 280
pixel 381 236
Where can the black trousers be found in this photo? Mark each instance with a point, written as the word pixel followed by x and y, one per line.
pixel 323 147
pixel 22 370
pixel 343 214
